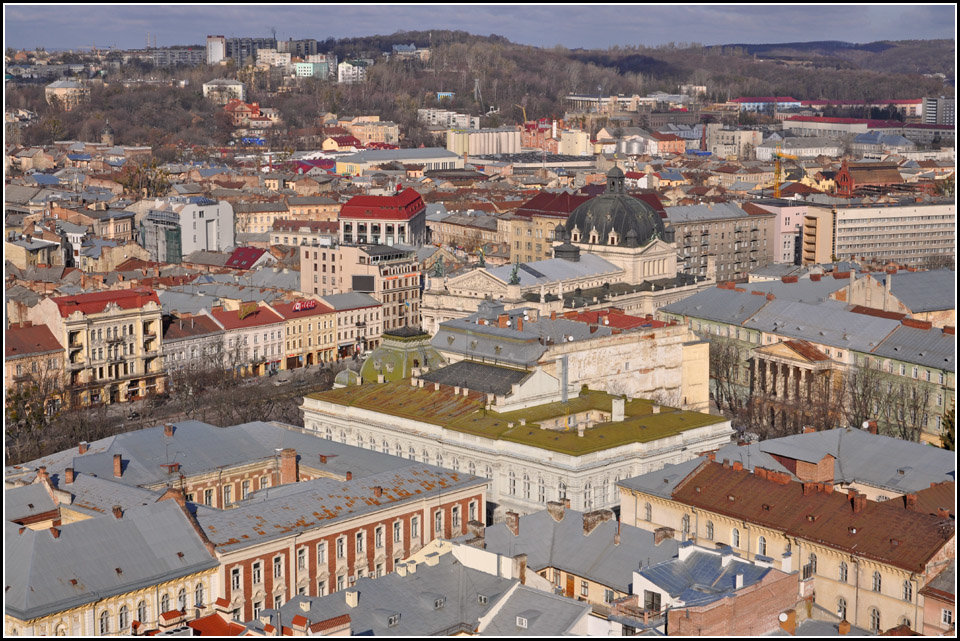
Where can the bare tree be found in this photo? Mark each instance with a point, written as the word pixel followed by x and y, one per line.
pixel 866 398
pixel 726 357
pixel 906 408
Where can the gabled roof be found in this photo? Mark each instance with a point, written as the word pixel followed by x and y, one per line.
pixel 231 319
pixel 244 257
pixel 402 206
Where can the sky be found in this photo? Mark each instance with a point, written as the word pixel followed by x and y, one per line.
pixel 544 25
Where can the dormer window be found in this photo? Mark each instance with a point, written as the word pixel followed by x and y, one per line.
pixel 439 603
pixel 482 599
pixel 393 620
pixel 522 623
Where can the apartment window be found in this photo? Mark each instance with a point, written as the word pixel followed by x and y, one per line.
pixel 877 582
pixel 277 567
pixel 607 596
pixel 397 531
pixel 735 538
pixel 208 497
pixel 360 537
pixel 264 482
pixel 415 527
pixel 843 572
pixel 198 595
pixel 235 579
pixel 647 512
pixel 438 523
pixel 842 608
pixel 874 620
pixel 341 548
pixel 245 489
pixel 762 546
pixel 142 611
pixel 584 588
pixel 277 602
pixel 946 616
pixel 907 591
pixel 257 607
pixel 378 538
pixel 164 603
pixel 123 618
pixel 512 484
pixel 104 623
pixel 321 588
pixel 227 492
pixel 182 600
pixel 455 517
pixel 685 525
pixel 257 573
pixel 302 559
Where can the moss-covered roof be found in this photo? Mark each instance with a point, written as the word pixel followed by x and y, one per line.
pixel 467 414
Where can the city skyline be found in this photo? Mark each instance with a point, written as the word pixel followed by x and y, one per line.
pixel 72 27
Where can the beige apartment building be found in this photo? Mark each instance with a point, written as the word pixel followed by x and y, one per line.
pixel 908 234
pixel 112 340
pixel 309 333
pixel 389 274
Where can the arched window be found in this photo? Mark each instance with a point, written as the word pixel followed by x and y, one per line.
pixel 142 612
pixel 587 496
pixel 685 524
pixel 647 512
pixel 541 491
pixel 905 621
pixel 709 530
pixel 735 538
pixel 762 546
pixel 876 582
pixel 182 599
pixel 526 486
pixel 164 603
pixel 198 596
pixel 843 571
pixel 842 608
pixel 562 491
pixel 123 618
pixel 398 451
pixel 412 452
pixel 343 436
pixel 488 472
pixel 512 483
pixel 385 447
pixel 874 620
pixel 472 468
pixel 456 464
pixel 813 563
pixel 426 457
pixel 907 591
pixel 328 434
pixel 439 459
pixel 104 623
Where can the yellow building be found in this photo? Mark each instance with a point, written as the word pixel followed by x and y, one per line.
pixel 865 560
pixel 112 340
pixel 309 332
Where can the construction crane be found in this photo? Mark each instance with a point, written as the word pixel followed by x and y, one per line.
pixel 778 157
pixel 524 109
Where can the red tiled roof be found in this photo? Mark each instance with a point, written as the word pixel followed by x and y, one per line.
pixel 807 350
pixel 346 141
pixel 28 341
pixel 244 257
pixel 232 320
pixel 883 532
pixel 557 205
pixel 939 496
pixel 616 319
pixel 96 302
pixel 287 310
pixel 402 206
pixel 766 99
pixel 869 311
pixel 216 625
pixel 188 327
pixel 299 621
pixel 335 622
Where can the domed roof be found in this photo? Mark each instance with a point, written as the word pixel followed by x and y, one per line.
pixel 615 211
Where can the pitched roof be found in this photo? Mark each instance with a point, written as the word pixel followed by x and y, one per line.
pixel 244 257
pixel 296 309
pixel 29 341
pixel 402 206
pixel 96 302
pixel 231 319
pixel 879 531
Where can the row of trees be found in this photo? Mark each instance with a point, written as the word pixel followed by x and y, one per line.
pixel 850 397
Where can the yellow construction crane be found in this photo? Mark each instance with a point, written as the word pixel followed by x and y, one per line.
pixel 778 169
pixel 524 109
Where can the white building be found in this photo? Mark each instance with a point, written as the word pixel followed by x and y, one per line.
pixel 222 90
pixel 349 72
pixel 216 49
pixel 483 142
pixel 513 427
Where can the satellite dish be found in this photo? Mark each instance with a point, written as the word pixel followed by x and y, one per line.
pixel 783 617
pixel 866 425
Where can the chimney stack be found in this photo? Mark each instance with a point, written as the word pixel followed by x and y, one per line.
pixel 555 509
pixel 167 430
pixel 617 410
pixel 68 475
pixel 592 519
pixel 289 472
pixel 843 628
pixel 378 491
pixel 117 512
pixel 42 473
pixel 859 502
pixel 661 534
pixel 83 447
pixel 911 501
pixel 117 466
pixel 353 597
pixel 513 523
pixel 55 532
pixel 348 476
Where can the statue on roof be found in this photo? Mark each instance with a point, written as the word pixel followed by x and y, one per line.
pixel 515 274
pixel 438 268
pixel 483 261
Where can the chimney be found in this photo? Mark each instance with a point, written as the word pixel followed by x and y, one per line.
pixel 519 324
pixel 872 426
pixel 618 410
pixel 661 534
pixel 117 512
pixel 83 447
pixel 513 522
pixel 42 473
pixel 167 430
pixel 911 501
pixel 943 513
pixel 68 475
pixel 520 568
pixel 859 502
pixel 553 315
pixel 592 519
pixel 378 491
pixel 117 466
pixel 348 476
pixel 712 456
pixel 555 509
pixel 476 529
pixel 502 320
pixel 809 429
pixel 843 628
pixel 616 535
pixel 353 597
pixel 738 581
pixel 55 532
pixel 288 466
pixel 788 621
pixel 737 466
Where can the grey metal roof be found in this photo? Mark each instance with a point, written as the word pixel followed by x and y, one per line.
pixel 545 615
pixel 802 291
pixel 721 305
pixel 27 501
pixel 712 211
pixel 479 377
pixel 702 577
pixel 927 347
pixel 563 545
pixel 946 581
pixel 924 291
pixel 663 481
pixel 99 557
pixel 824 324
pixel 554 270
pixel 308 504
pixel 880 461
pixel 413 598
pixel 350 300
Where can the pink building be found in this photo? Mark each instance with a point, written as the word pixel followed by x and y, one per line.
pixel 787 227
pixel 254 338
